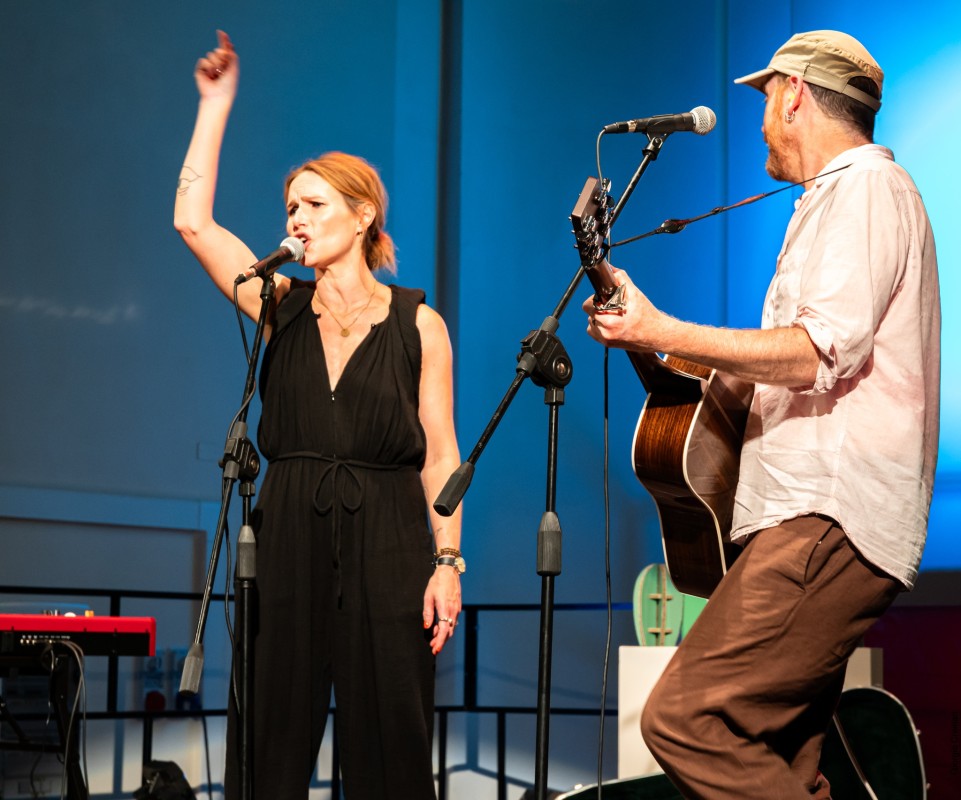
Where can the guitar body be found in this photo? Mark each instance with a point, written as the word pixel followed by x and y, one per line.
pixel 686 453
pixel 687 444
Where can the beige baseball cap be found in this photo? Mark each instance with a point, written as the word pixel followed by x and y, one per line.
pixel 824 58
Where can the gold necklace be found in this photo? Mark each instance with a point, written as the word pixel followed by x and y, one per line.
pixel 345 329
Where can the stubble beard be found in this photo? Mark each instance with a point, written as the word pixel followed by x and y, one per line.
pixel 774 167
pixel 778 147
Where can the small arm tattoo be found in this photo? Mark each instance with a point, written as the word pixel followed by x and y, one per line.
pixel 187 176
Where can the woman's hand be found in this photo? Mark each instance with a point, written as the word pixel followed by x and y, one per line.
pixel 442 604
pixel 217 73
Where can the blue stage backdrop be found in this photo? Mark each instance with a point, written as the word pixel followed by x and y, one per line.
pixel 123 366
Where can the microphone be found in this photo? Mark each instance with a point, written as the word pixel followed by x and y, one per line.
pixel 700 120
pixel 291 249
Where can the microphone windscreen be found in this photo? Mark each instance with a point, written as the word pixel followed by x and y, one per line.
pixel 295 247
pixel 704 120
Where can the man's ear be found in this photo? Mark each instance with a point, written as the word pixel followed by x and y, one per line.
pixel 793 94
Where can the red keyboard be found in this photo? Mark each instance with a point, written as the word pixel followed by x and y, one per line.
pixel 26 634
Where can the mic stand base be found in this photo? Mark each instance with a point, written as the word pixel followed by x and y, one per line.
pixel 548 567
pixel 244 583
pixel 240 462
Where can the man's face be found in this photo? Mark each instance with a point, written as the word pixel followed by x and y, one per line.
pixel 781 160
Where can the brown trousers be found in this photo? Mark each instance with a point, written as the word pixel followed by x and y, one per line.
pixel 741 711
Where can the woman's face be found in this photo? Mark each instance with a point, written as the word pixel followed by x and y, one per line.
pixel 320 217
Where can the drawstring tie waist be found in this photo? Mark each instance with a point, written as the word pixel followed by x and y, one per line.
pixel 339 489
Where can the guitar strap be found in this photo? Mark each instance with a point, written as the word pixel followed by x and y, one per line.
pixel 677 225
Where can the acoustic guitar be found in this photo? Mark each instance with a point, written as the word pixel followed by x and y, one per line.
pixel 687 443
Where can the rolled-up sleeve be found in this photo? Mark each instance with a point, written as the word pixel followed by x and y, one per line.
pixel 849 276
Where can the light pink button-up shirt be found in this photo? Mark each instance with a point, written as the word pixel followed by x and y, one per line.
pixel 858 271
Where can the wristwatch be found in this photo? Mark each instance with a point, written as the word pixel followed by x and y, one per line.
pixel 450 557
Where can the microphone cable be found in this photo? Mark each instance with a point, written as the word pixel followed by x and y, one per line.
pixel 74 731
pixel 607 578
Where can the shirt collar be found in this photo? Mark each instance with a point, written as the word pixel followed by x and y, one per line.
pixel 834 168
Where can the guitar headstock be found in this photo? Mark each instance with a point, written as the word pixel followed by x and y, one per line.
pixel 591 219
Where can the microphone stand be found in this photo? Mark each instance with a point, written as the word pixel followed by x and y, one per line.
pixel 240 462
pixel 544 360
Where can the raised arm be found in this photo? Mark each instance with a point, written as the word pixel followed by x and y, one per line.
pixel 221 253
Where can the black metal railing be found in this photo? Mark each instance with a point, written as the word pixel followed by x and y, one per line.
pixel 470 618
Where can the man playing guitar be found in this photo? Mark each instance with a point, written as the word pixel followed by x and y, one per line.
pixel 838 457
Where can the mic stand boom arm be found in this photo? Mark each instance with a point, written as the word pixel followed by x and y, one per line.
pixel 545 361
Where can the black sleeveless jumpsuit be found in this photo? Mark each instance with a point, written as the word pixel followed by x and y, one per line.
pixel 344 554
